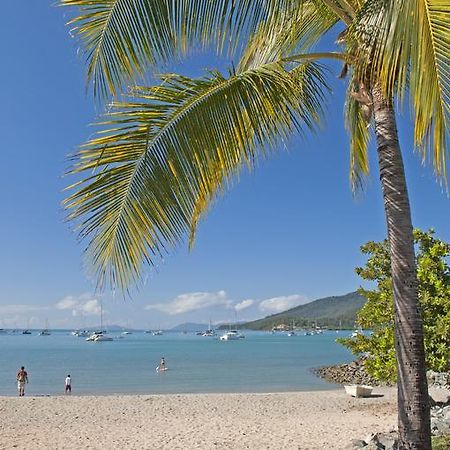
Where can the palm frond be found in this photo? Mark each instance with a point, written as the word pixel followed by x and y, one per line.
pixel 121 39
pixel 162 157
pixel 294 30
pixel 406 48
pixel 344 9
pixel 357 122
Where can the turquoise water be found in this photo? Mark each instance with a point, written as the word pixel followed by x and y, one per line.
pixel 261 362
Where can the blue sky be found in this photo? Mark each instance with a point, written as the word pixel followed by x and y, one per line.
pixel 286 234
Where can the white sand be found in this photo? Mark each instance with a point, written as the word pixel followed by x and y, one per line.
pixel 300 420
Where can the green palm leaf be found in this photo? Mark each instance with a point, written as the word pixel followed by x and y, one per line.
pixel 406 47
pixel 291 31
pixel 357 122
pixel 121 39
pixel 163 156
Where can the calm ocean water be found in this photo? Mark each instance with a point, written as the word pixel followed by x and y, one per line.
pixel 261 362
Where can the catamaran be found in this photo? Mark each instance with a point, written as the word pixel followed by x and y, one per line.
pixel 99 336
pixel 232 335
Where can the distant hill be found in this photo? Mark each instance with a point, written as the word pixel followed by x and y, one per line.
pixel 189 326
pixel 329 312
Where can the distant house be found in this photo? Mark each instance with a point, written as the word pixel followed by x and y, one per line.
pixel 281 327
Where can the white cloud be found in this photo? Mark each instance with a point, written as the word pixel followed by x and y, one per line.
pixel 244 305
pixel 68 302
pixel 279 304
pixel 84 305
pixel 192 301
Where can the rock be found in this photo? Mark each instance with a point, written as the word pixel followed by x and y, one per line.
pixel 438 379
pixel 353 373
pixel 358 443
pixel 378 441
pixel 446 412
pixel 373 446
pixel 440 426
pixel 388 441
pixel 431 401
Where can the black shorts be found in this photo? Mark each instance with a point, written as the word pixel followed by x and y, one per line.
pixel 68 388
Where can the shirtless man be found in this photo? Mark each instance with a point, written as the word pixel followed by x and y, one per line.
pixel 22 378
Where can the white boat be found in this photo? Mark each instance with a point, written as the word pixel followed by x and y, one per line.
pixel 81 333
pixel 209 332
pixel 26 332
pixel 157 333
pixel 103 338
pixel 99 336
pixel 91 338
pixel 232 335
pixel 356 333
pixel 126 332
pixel 45 331
pixel 358 390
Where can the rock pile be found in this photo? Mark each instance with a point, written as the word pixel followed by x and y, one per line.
pixel 440 419
pixel 378 441
pixel 438 379
pixel 440 425
pixel 353 373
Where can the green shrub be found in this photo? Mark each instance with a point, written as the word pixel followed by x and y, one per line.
pixel 378 313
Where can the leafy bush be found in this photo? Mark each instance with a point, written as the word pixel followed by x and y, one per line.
pixel 378 313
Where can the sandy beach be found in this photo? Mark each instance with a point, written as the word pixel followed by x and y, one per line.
pixel 299 420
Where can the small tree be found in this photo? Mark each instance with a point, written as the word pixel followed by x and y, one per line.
pixel 377 314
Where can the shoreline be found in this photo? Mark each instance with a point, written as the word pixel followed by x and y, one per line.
pixel 333 387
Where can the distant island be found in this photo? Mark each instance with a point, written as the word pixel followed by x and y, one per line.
pixel 329 312
pixel 190 326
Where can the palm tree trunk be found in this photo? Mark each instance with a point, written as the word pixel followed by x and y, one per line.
pixel 412 389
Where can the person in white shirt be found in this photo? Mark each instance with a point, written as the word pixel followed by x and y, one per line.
pixel 68 385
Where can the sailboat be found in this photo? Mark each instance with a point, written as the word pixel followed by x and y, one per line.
pixel 209 332
pixel 292 332
pixel 232 335
pixel 127 330
pixel 27 329
pixel 99 336
pixel 45 331
pixel 358 331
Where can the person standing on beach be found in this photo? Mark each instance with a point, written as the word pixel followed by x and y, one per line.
pixel 22 378
pixel 68 385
